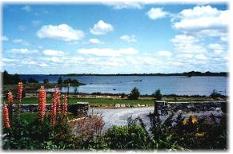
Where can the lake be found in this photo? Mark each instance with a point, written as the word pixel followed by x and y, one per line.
pixel 179 85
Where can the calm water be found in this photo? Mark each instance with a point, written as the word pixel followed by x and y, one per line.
pixel 179 85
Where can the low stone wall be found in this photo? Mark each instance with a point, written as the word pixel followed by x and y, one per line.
pixel 79 110
pixel 161 107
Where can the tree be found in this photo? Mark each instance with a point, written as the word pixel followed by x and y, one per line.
pixel 59 81
pixel 32 80
pixel 46 81
pixel 215 94
pixel 157 95
pixel 10 78
pixel 134 94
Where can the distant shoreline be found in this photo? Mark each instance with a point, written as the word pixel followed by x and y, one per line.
pixel 188 74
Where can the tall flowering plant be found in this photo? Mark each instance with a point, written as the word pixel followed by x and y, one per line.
pixel 53 114
pixel 57 97
pixel 20 91
pixel 64 105
pixel 6 120
pixel 55 106
pixel 10 98
pixel 42 103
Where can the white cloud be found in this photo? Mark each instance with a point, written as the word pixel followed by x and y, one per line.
pixel 60 32
pixel 49 52
pixel 124 5
pixel 164 54
pixel 95 41
pixel 187 44
pixel 55 59
pixel 216 48
pixel 108 52
pixel 128 38
pixel 201 57
pixel 36 22
pixel 21 41
pixel 202 17
pixel 4 38
pixel 156 13
pixel 101 28
pixel 27 8
pixel 23 51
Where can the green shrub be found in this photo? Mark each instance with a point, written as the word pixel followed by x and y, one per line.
pixel 157 95
pixel 134 94
pixel 126 137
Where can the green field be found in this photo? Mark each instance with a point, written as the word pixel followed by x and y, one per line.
pixel 95 101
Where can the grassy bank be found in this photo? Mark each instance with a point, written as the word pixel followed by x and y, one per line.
pixel 101 102
pixel 95 101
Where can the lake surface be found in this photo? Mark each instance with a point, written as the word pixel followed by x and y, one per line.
pixel 180 85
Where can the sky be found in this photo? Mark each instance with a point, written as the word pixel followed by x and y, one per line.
pixel 114 38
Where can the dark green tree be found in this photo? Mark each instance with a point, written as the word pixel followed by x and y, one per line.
pixel 60 81
pixel 46 81
pixel 157 95
pixel 134 94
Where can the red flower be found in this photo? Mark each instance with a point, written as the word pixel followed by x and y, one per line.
pixel 56 97
pixel 64 105
pixel 53 114
pixel 6 119
pixel 20 91
pixel 10 97
pixel 42 103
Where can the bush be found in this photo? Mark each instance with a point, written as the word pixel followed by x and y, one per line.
pixel 215 94
pixel 134 94
pixel 46 81
pixel 32 80
pixel 157 95
pixel 127 137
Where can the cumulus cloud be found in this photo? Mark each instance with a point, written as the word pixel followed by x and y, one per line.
pixel 216 48
pixel 23 51
pixel 202 17
pixel 128 38
pixel 124 5
pixel 60 32
pixel 108 52
pixel 164 53
pixel 27 8
pixel 101 28
pixel 50 52
pixel 21 41
pixel 156 13
pixel 95 41
pixel 4 38
pixel 187 44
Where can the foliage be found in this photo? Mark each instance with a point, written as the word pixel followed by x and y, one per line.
pixel 45 81
pixel 10 79
pixel 191 133
pixel 127 137
pixel 215 94
pixel 32 80
pixel 157 95
pixel 134 94
pixel 60 81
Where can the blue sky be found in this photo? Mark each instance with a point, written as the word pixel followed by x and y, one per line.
pixel 114 38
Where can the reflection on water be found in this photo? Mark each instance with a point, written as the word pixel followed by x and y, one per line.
pixel 179 85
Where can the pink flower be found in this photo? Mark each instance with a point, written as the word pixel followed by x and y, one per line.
pixel 64 105
pixel 20 91
pixel 10 97
pixel 42 103
pixel 6 119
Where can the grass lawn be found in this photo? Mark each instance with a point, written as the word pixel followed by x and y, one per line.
pixel 31 116
pixel 95 101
